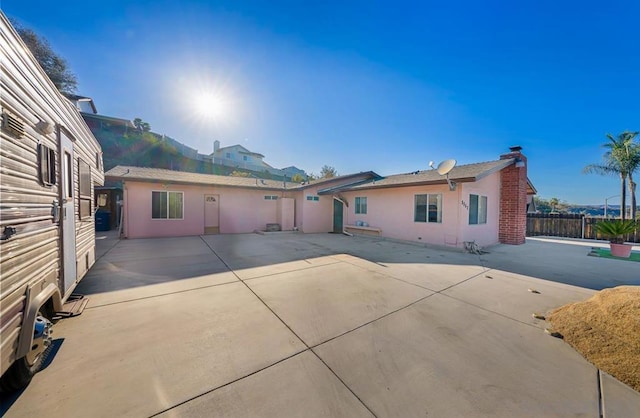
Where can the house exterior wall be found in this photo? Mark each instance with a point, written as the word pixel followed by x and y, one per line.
pixel 392 210
pixel 241 210
pixel 286 213
pixel 482 234
pixel 316 216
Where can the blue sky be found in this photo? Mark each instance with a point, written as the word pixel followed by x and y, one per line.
pixel 366 85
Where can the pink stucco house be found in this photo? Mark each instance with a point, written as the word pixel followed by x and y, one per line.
pixel 488 204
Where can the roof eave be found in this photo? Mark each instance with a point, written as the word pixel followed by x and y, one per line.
pixel 195 183
pixel 420 183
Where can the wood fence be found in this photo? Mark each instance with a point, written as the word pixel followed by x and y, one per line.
pixel 568 226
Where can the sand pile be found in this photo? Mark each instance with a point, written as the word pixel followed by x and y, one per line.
pixel 606 331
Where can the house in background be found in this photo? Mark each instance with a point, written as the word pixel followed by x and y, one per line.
pixel 240 157
pixel 487 203
pixel 291 171
pixel 83 104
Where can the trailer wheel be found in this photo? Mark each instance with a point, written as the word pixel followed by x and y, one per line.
pixel 20 373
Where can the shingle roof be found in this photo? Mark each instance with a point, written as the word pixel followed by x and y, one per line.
pixel 312 183
pixel 460 174
pixel 161 175
pixel 111 119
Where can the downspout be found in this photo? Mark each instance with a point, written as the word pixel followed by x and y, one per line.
pixel 124 209
pixel 458 221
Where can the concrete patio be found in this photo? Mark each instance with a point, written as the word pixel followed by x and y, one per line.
pixel 326 325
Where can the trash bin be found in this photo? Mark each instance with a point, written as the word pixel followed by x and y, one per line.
pixel 103 221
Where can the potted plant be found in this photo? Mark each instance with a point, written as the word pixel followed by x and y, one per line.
pixel 615 231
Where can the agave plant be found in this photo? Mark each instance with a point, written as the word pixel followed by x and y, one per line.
pixel 615 230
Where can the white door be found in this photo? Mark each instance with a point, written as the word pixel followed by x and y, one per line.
pixel 68 217
pixel 211 214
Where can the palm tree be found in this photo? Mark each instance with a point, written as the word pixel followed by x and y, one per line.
pixel 632 162
pixel 627 153
pixel 621 159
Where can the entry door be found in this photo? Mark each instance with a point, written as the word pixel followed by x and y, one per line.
pixel 337 216
pixel 68 217
pixel 211 214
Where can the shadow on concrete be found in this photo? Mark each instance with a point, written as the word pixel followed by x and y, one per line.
pixel 8 399
pixel 128 264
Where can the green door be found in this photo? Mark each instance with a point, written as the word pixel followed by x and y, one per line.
pixel 337 216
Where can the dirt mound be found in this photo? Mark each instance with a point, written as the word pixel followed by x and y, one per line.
pixel 606 331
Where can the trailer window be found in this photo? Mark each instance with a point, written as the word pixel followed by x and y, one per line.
pixel 47 165
pixel 84 176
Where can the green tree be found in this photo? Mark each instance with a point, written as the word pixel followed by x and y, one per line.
pixel 553 202
pixel 297 178
pixel 622 159
pixel 629 157
pixel 141 125
pixel 327 172
pixel 542 205
pixel 53 64
pixel 239 173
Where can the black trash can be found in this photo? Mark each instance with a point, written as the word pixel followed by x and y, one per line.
pixel 103 220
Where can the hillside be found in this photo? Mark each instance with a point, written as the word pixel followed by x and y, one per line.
pixel 147 149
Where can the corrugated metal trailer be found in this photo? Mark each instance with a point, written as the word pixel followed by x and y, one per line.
pixel 49 165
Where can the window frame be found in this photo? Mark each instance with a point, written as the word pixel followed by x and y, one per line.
pixel 313 198
pixel 84 189
pixel 167 216
pixel 360 204
pixel 46 165
pixel 270 197
pixel 479 209
pixel 427 209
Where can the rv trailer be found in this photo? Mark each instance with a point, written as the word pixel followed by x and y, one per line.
pixel 49 165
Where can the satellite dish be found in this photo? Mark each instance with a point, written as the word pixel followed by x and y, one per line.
pixel 431 164
pixel 446 166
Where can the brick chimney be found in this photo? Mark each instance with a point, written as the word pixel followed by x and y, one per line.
pixel 513 199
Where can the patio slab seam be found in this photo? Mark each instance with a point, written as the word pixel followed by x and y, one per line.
pixel 228 383
pixel 311 266
pixel 372 321
pixel 162 294
pixel 485 270
pixel 485 309
pixel 117 242
pixel 289 328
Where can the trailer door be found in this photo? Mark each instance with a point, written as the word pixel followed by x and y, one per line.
pixel 68 213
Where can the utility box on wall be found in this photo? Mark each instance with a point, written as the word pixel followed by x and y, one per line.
pixel 286 213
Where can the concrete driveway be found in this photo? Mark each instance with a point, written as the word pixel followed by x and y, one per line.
pixel 325 325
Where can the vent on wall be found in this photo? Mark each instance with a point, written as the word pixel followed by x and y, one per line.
pixel 12 125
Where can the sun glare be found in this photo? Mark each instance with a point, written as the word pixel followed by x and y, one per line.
pixel 210 106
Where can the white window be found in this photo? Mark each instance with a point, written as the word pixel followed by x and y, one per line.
pixel 167 205
pixel 428 208
pixel 477 209
pixel 271 198
pixel 361 205
pixel 245 158
pixel 228 155
pixel 313 198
